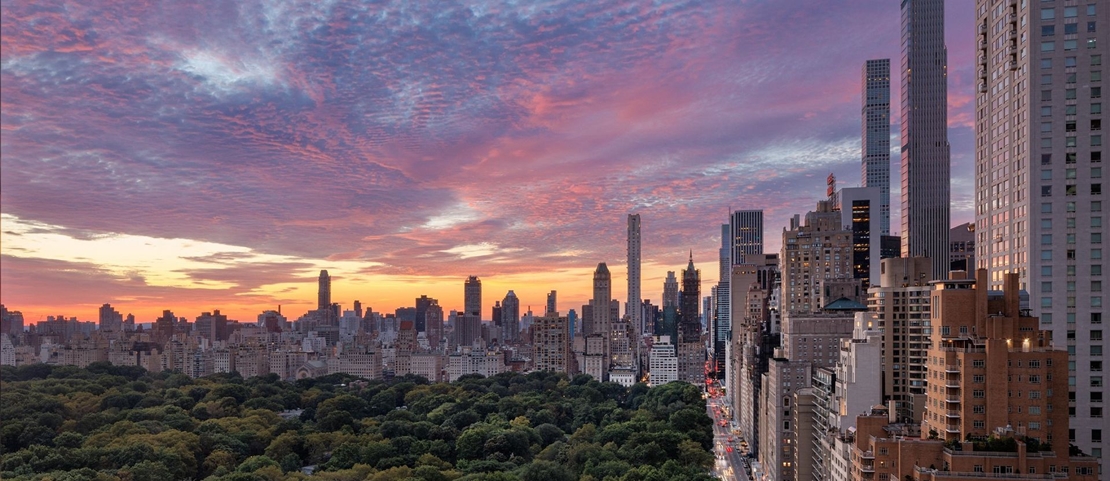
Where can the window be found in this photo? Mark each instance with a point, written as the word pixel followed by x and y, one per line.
pixel 1069 110
pixel 1069 142
pixel 1096 350
pixel 1096 156
pixel 1096 172
pixel 1046 79
pixel 1046 95
pixel 1096 92
pixel 1096 206
pixel 1046 63
pixel 1046 255
pixel 1046 191
pixel 1096 237
pixel 1071 29
pixel 1096 124
pixel 1048 30
pixel 1071 12
pixel 1046 208
pixel 1096 108
pixel 1069 94
pixel 1046 287
pixel 1070 190
pixel 1090 9
pixel 979 409
pixel 1069 61
pixel 1048 46
pixel 1096 141
pixel 1047 126
pixel 1096 60
pixel 979 424
pixel 1069 126
pixel 1096 75
pixel 978 394
pixel 1090 27
pixel 1069 158
pixel 1046 159
pixel 1096 366
pixel 1096 221
pixel 1096 189
pixel 1096 269
pixel 1048 13
pixel 1071 44
pixel 1092 43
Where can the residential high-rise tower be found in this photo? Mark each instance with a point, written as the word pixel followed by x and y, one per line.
pixel 632 307
pixel 876 134
pixel 1038 178
pixel 926 164
pixel 747 234
pixel 473 297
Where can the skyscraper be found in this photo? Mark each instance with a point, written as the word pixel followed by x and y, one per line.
pixel 691 352
pixel 552 303
pixel 603 293
pixel 747 234
pixel 925 156
pixel 324 292
pixel 1038 169
pixel 670 291
pixel 510 318
pixel 551 343
pixel 110 319
pixel 876 134
pixel 473 297
pixel 422 304
pixel 632 307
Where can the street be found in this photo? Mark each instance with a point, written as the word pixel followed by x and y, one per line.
pixel 730 464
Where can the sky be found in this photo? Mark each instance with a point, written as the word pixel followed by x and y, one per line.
pixel 200 156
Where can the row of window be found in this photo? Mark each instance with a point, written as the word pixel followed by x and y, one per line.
pixel 1095 301
pixel 1046 63
pixel 1096 76
pixel 1069 45
pixel 1049 13
pixel 1096 318
pixel 1069 174
pixel 1070 157
pixel 1070 189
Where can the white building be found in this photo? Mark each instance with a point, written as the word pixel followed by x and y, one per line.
pixel 663 366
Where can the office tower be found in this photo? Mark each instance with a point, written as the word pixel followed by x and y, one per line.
pixel 925 157
pixel 510 318
pixel 473 297
pixel 552 302
pixel 572 323
pixel 433 322
pixel 358 308
pixel 110 319
pixel 858 207
pixel 632 308
pixel 587 327
pixel 691 352
pixel 663 363
pixel 323 294
pixel 1038 169
pixel 961 251
pixel 550 343
pixel 422 304
pixel 876 135
pixel 670 290
pixel 747 234
pixel 498 322
pixel 722 312
pixel 600 304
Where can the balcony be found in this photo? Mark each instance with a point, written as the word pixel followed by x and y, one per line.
pixel 953 399
pixel 952 368
pixel 952 428
pixel 952 413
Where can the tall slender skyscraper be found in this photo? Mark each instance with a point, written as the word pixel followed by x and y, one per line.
pixel 473 297
pixel 926 165
pixel 632 307
pixel 747 234
pixel 603 293
pixel 323 294
pixel 876 134
pixel 691 351
pixel 510 318
pixel 1038 187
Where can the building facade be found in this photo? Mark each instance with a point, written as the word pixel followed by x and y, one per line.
pixel 1038 171
pixel 926 164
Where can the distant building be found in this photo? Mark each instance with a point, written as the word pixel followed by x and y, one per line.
pixel 633 303
pixel 551 344
pixel 691 350
pixel 876 136
pixel 473 297
pixel 961 254
pixel 510 319
pixel 663 362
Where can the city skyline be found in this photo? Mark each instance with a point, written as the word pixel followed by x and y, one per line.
pixel 268 168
